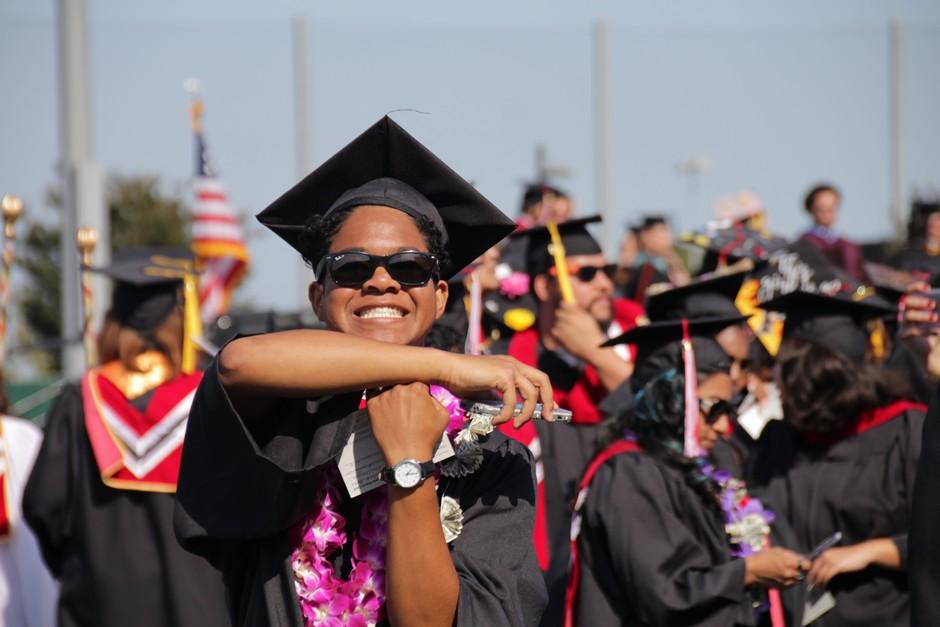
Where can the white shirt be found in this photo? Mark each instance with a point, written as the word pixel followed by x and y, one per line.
pixel 28 593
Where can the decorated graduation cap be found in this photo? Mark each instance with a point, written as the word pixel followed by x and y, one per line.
pixel 149 283
pixel 725 246
pixel 575 238
pixel 708 296
pixel 674 344
pixel 388 167
pixel 835 320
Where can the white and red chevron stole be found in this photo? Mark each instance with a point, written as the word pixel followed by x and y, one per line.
pixel 5 488
pixel 138 450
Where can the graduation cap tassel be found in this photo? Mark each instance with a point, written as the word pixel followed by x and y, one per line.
pixel 472 345
pixel 87 239
pixel 12 210
pixel 192 322
pixel 561 263
pixel 691 446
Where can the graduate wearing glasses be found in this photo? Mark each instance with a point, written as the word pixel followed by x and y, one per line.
pixel 565 343
pixel 385 223
pixel 660 537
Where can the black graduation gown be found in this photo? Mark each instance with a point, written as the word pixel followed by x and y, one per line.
pixel 566 450
pixel 924 549
pixel 113 551
pixel 861 486
pixel 653 553
pixel 241 490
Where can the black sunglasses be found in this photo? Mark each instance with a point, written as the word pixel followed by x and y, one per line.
pixel 352 269
pixel 586 274
pixel 715 408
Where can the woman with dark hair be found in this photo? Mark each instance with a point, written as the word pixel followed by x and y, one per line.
pixel 853 449
pixel 101 494
pixel 662 538
pixel 315 472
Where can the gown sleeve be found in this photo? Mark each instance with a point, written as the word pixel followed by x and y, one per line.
pixel 658 564
pixel 500 581
pixel 924 565
pixel 48 492
pixel 911 442
pixel 238 484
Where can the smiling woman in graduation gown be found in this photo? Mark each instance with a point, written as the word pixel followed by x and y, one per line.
pixel 274 412
pixel 653 547
pixel 854 445
pixel 100 497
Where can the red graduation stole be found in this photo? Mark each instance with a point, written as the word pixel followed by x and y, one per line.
pixel 4 487
pixel 617 447
pixel 138 450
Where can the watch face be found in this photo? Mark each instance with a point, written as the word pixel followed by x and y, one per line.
pixel 407 474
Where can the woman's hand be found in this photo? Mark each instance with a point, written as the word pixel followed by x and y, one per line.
pixel 407 422
pixel 774 567
pixel 465 374
pixel 849 559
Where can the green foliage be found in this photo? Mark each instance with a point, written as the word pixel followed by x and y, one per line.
pixel 140 215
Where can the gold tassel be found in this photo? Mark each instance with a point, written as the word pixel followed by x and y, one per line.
pixel 561 263
pixel 192 323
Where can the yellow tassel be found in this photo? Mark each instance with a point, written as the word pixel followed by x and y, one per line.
pixel 561 263
pixel 192 323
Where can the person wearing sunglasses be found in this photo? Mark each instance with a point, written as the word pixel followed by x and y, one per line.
pixel 707 297
pixel 565 342
pixel 263 493
pixel 660 537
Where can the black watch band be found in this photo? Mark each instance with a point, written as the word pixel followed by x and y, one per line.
pixel 426 470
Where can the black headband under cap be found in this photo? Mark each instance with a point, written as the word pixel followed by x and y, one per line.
pixel 389 192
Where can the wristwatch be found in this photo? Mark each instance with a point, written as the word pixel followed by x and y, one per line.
pixel 408 473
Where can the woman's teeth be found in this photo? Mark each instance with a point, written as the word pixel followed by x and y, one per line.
pixel 382 312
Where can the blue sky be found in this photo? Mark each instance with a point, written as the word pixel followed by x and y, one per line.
pixel 779 95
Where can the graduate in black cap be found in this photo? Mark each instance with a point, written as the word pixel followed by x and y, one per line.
pixel 385 224
pixel 660 537
pixel 101 495
pixel 847 460
pixel 576 313
pixel 708 297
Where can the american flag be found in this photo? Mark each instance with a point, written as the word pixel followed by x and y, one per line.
pixel 217 235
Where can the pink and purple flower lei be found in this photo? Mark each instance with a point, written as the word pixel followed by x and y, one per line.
pixel 327 600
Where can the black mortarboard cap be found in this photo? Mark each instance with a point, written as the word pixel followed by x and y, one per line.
pixel 387 166
pixel 836 321
pixel 147 284
pixel 706 297
pixel 658 347
pixel 575 237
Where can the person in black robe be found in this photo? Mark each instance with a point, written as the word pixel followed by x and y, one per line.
pixel 924 550
pixel 275 411
pixel 100 497
pixel 713 296
pixel 846 458
pixel 653 547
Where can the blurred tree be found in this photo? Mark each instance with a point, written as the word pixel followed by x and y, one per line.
pixel 140 215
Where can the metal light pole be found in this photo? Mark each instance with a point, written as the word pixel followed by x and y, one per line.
pixel 301 128
pixel 601 131
pixel 899 193
pixel 82 180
